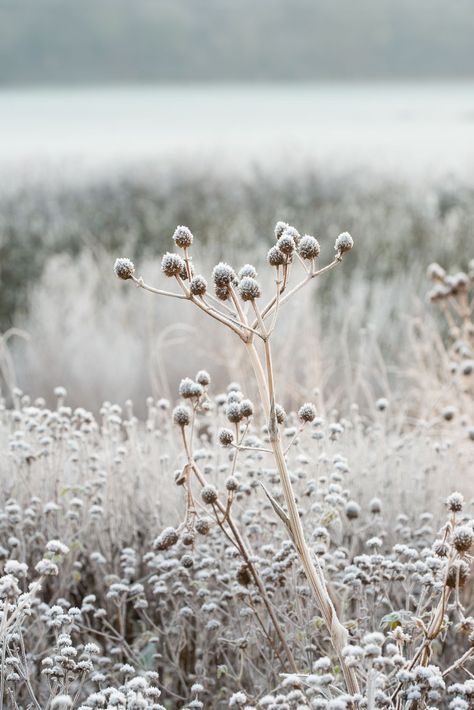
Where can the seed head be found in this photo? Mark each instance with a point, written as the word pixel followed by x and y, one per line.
pixel 223 275
pixel 202 526
pixel 124 268
pixel 457 574
pixel 455 502
pixel 166 539
pixel 209 494
pixel 352 510
pixel 198 286
pixel 246 408
pixel 225 436
pixel 344 243
pixel 187 561
pixel 440 548
pixel 182 416
pixel 222 293
pixel 307 412
pixel 183 237
pixel 292 232
pixel 243 576
pixel 280 414
pixel 308 247
pixel 233 412
pixel 203 378
pixel 280 227
pixel 275 257
pixel 435 272
pixel 463 538
pixel 172 264
pixel 188 388
pixel 248 270
pixel 231 483
pixel 375 506
pixel 286 244
pixel 249 289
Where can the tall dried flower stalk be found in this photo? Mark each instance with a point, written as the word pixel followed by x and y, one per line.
pixel 235 304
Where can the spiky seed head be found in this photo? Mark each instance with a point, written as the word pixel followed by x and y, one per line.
pixel 275 257
pixel 166 539
pixel 234 396
pixel 181 416
pixel 307 412
pixel 188 388
pixel 375 506
pixel 225 436
pixel 233 412
pixel 187 561
pixel 222 293
pixel 455 502
pixel 234 387
pixel 187 539
pixel 344 243
pixel 463 538
pixel 223 274
pixel 172 264
pixel 309 248
pixel 248 270
pixel 280 414
pixel 202 526
pixel 280 227
pixel 124 268
pixel 249 289
pixel 440 548
pixel 231 483
pixel 435 272
pixel 209 494
pixel 286 244
pixel 246 408
pixel 203 378
pixel 292 232
pixel 352 510
pixel 183 237
pixel 458 573
pixel 198 286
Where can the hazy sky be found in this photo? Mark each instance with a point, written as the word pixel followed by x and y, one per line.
pixel 100 41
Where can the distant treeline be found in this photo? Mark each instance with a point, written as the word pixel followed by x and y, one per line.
pixel 71 41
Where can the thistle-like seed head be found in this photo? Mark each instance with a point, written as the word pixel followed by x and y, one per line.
pixel 248 270
pixel 183 237
pixel 182 416
pixel 203 378
pixel 209 494
pixel 225 436
pixel 286 244
pixel 223 275
pixel 172 264
pixel 124 268
pixel 309 248
pixel 455 502
pixel 280 227
pixel 198 286
pixel 463 538
pixel 275 257
pixel 344 242
pixel 307 412
pixel 249 289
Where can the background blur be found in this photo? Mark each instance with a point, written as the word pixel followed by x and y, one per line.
pixel 120 120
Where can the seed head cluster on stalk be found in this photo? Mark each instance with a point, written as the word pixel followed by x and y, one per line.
pixel 235 303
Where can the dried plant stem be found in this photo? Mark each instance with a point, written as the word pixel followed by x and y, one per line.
pixel 246 556
pixel 338 633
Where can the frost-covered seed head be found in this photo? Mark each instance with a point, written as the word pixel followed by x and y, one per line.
pixel 309 248
pixel 249 289
pixel 188 388
pixel 307 412
pixel 226 437
pixel 375 506
pixel 280 414
pixel 187 561
pixel 248 270
pixel 183 237
pixel 457 574
pixel 172 264
pixel 223 274
pixel 203 378
pixel 222 293
pixel 352 510
pixel 181 416
pixel 280 228
pixel 233 413
pixel 166 539
pixel 209 494
pixel 202 526
pixel 124 268
pixel 455 502
pixel 441 548
pixel 198 286
pixel 343 243
pixel 231 483
pixel 463 538
pixel 275 257
pixel 246 408
pixel 435 272
pixel 286 244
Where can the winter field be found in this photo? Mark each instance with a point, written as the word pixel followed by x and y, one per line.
pixel 236 459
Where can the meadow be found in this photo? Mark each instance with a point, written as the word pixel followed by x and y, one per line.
pixel 256 493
